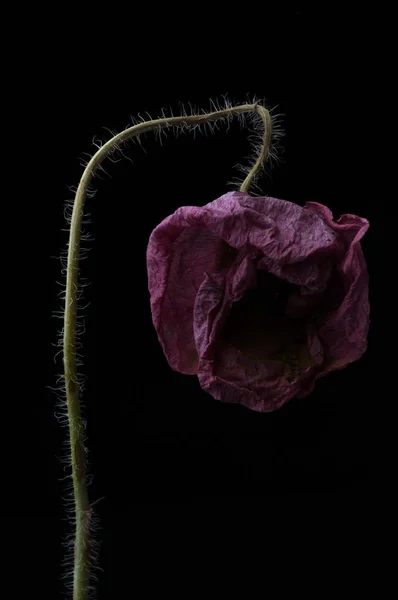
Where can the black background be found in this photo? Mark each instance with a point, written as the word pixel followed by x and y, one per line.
pixel 155 440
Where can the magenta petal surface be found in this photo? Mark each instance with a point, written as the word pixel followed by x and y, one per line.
pixel 204 262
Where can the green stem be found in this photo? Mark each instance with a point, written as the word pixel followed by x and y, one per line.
pixel 262 157
pixel 76 430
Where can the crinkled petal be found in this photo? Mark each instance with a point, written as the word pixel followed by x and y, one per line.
pixel 178 256
pixel 201 260
pixel 344 333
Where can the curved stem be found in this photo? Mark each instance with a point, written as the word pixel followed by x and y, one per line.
pixel 267 120
pixel 76 430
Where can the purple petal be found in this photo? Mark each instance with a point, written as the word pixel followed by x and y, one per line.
pixel 344 333
pixel 202 260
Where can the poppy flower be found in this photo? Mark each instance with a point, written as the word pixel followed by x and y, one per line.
pixel 258 297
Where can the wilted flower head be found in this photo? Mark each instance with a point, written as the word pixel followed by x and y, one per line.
pixel 258 297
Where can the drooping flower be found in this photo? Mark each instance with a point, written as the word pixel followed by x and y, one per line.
pixel 258 296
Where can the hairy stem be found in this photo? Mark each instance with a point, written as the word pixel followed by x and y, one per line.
pixel 267 121
pixel 76 429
